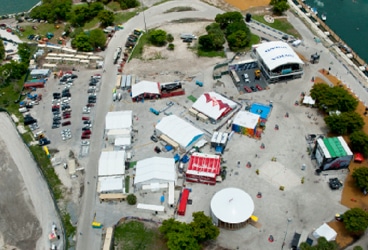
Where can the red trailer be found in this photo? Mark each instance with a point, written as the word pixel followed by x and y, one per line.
pixel 34 84
pixel 183 202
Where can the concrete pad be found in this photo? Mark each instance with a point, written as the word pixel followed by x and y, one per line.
pixel 278 175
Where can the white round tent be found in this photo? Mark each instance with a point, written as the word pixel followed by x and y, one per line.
pixel 231 208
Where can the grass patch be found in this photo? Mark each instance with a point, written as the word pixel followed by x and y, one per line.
pixel 210 53
pixel 161 2
pixel 124 17
pixel 135 235
pixel 180 9
pixel 94 23
pixel 192 98
pixel 42 29
pixel 114 6
pixel 254 39
pixel 69 228
pixel 280 24
pixel 138 49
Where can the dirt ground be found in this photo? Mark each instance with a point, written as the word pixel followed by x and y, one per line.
pixel 351 196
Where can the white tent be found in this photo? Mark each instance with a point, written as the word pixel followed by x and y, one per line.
pixel 145 87
pixel 119 120
pixel 325 231
pixel 123 142
pixel 111 184
pixel 111 163
pixel 155 170
pixel 182 132
pixel 213 105
pixel 308 100
pixel 277 53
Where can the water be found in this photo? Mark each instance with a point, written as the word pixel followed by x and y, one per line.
pixel 16 6
pixel 348 19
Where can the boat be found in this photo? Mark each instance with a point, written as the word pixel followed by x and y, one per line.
pixel 324 17
pixel 314 10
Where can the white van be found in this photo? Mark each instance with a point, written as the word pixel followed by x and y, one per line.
pixel 296 43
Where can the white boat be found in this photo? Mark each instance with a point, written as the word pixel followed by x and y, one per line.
pixel 324 17
pixel 314 10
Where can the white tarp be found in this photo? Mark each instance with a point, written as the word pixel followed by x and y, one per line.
pixel 308 100
pixel 111 163
pixel 277 53
pixel 182 132
pixel 155 170
pixel 325 231
pixel 111 184
pixel 213 105
pixel 119 120
pixel 145 87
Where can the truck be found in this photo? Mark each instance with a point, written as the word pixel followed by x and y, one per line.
pixel 128 82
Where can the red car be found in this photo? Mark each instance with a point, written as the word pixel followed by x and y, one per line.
pixel 66 116
pixel 87 132
pixel 259 87
pixel 85 118
pixel 247 89
pixel 56 107
pixel 83 137
pixel 67 123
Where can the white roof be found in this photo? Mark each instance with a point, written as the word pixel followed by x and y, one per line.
pixel 151 207
pixel 118 120
pixel 232 205
pixel 156 169
pixel 277 53
pixel 213 105
pixel 246 119
pixel 325 231
pixel 111 184
pixel 40 72
pixel 111 163
pixel 145 87
pixel 179 130
pixel 122 141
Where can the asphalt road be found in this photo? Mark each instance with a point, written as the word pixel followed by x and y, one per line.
pixel 153 17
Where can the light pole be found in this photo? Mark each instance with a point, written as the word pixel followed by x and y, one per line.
pixel 287 225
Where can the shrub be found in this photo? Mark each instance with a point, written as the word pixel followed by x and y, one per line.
pixel 171 46
pixel 132 199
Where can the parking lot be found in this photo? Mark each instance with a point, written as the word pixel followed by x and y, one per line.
pixel 250 78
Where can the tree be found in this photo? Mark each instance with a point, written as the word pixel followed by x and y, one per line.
pixel 182 240
pixel 229 17
pixel 106 18
pixel 24 52
pixel 81 42
pixel 52 10
pixel 127 4
pixel 360 175
pixel 359 142
pixel 157 37
pixel 132 199
pixel 2 50
pixel 95 8
pixel 355 220
pixel 344 123
pixel 202 227
pixel 279 6
pixel 169 38
pixel 322 244
pixel 237 40
pixel 97 38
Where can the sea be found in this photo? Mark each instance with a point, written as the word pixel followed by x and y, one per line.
pixel 348 19
pixel 16 6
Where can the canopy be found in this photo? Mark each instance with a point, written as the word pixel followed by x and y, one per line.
pixel 179 130
pixel 143 87
pixel 325 231
pixel 277 53
pixel 119 120
pixel 246 119
pixel 358 157
pixel 214 105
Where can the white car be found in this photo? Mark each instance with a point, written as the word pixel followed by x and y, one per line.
pixel 84 143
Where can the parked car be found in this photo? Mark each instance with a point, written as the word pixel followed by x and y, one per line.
pixel 157 150
pixel 67 123
pixel 154 138
pixel 83 137
pixel 55 126
pixel 85 118
pixel 253 89
pixel 259 87
pixel 247 89
pixel 43 142
pixel 87 132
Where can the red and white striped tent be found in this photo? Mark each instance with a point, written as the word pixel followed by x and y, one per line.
pixel 203 168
